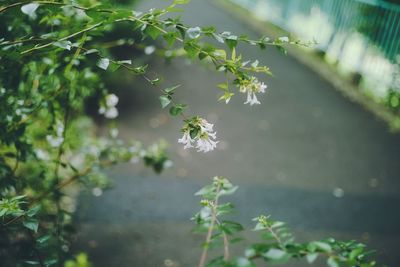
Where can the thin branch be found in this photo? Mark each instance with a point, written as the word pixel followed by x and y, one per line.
pixel 62 39
pixel 203 256
pixel 226 243
pixel 274 235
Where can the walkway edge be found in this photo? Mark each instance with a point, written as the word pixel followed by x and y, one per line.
pixel 315 63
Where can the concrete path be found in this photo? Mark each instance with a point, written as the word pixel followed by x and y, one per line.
pixel 306 156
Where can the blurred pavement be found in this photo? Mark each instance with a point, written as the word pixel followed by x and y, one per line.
pixel 306 156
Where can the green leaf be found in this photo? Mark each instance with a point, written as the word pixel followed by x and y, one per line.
pixel 321 246
pixel 233 53
pixel 156 81
pixel 91 51
pixel 165 100
pixel 202 55
pixel 174 9
pixel 311 257
pixel 171 90
pixel 194 132
pixel 244 262
pixel 32 211
pixel 223 86
pixel 281 49
pixel 191 49
pixel 181 30
pixel 50 262
pixel 31 224
pixel 119 14
pixel 226 97
pixel 209 30
pixel 114 66
pixel 181 2
pixel 275 254
pixel 205 190
pixel 231 227
pixel 19 197
pixel 170 38
pixel 225 208
pixel 30 9
pixel 355 253
pixel 220 53
pixel 218 38
pixel 177 109
pixel 103 63
pixel 152 31
pixel 332 262
pixel 32 262
pixel 228 191
pixel 43 239
pixel 3 211
pixel 231 41
pixel 126 61
pixel 262 46
pixel 95 15
pixel 63 44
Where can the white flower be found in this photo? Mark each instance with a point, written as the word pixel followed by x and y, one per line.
pixel 58 139
pixel 168 164
pixel 186 140
pixel 252 87
pixel 252 99
pixel 149 49
pixel 109 110
pixel 97 191
pixel 194 33
pixel 114 132
pixel 205 145
pixel 111 100
pixel 111 113
pixel 54 141
pixel 102 110
pixel 41 154
pixel 93 150
pixel 59 128
pixel 205 135
pixel 134 159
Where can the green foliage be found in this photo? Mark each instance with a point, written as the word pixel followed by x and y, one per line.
pixel 81 260
pixel 277 244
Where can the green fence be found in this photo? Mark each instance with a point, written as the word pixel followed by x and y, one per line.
pixel 362 36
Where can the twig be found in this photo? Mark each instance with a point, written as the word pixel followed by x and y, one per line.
pixel 210 228
pixel 274 235
pixel 226 243
pixel 62 39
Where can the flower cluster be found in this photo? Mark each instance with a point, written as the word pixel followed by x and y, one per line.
pixel 58 139
pixel 108 107
pixel 198 130
pixel 251 87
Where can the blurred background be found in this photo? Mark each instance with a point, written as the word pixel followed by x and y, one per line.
pixel 307 156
